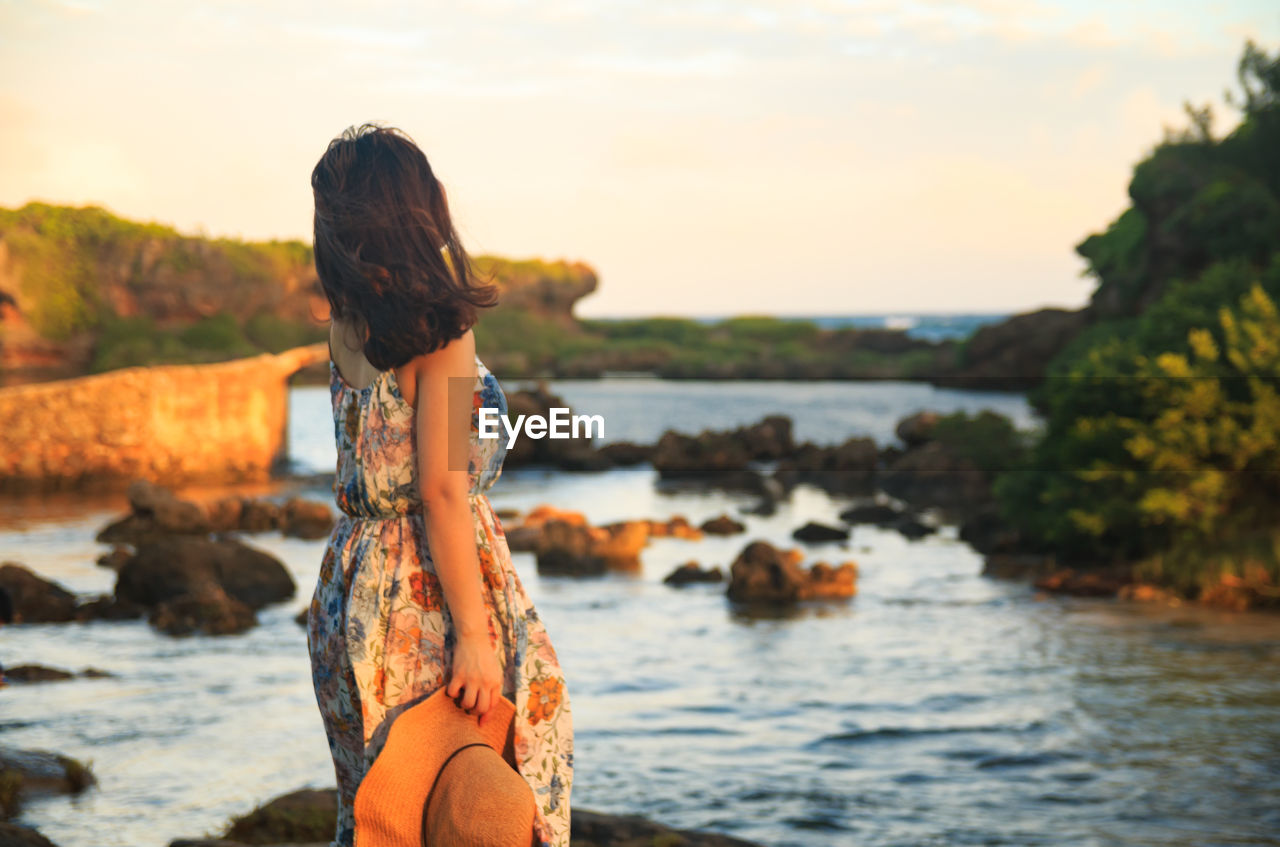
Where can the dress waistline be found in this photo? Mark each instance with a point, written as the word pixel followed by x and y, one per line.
pixel 416 513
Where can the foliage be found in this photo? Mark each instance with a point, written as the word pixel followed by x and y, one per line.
pixel 1161 418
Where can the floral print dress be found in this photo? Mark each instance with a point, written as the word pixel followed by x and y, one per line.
pixel 379 633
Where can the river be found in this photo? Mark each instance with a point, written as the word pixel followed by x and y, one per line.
pixel 938 707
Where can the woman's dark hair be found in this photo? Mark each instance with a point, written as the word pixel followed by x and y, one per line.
pixel 386 251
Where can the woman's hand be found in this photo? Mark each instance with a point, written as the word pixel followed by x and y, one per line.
pixel 475 682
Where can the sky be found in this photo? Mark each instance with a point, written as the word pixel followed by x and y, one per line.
pixel 798 157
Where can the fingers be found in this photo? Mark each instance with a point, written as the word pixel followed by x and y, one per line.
pixel 455 685
pixel 470 693
pixel 483 702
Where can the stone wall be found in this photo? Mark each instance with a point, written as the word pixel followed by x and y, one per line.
pixel 173 424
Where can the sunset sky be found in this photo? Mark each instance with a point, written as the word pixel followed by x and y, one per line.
pixel 764 156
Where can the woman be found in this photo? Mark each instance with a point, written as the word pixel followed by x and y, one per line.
pixel 416 589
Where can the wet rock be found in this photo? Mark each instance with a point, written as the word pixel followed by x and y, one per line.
pixel 722 525
pixel 35 599
pixel 693 572
pixel 301 618
pixel 25 774
pixel 572 549
pixel 27 674
pixel 527 536
pixel 1254 589
pixel 168 569
pixel 1141 592
pixel 933 475
pixel 259 515
pixel 114 559
pixel 208 611
pixel 626 453
pixel 36 673
pixel 879 514
pixel 916 429
pixel 816 533
pixel 987 532
pixel 1082 583
pixel 15 835
pixel 912 528
pixel 675 527
pixel 224 515
pixel 1018 565
pixel 306 518
pixel 848 468
pixel 523 538
pixel 309 817
pixel 155 512
pixel 764 574
pixel 593 829
pixel 1012 355
pixel 713 453
pixel 565 453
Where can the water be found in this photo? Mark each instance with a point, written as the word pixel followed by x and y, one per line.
pixel 923 325
pixel 937 708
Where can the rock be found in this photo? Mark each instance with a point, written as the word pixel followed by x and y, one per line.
pixel 678 456
pixel 1018 565
pixel 15 835
pixel 675 527
pixel 209 610
pixel 625 453
pixel 523 538
pixel 259 515
pixel 565 453
pixel 816 533
pixel 1012 355
pixel 1140 592
pixel 225 514
pixel 912 528
pixel 36 673
pixel 693 572
pixel 711 454
pixel 301 618
pixel 34 599
pixel 173 567
pixel 572 549
pixel 309 817
pixel 300 817
pixel 722 525
pixel 25 774
pixel 155 512
pixel 933 475
pixel 39 673
pixel 764 574
pixel 872 513
pixel 916 429
pixel 1100 583
pixel 987 532
pixel 306 518
pixel 848 468
pixel 115 559
pixel 593 829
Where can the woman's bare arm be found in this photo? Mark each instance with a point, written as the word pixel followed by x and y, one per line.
pixel 445 381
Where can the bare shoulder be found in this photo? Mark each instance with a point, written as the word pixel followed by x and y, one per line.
pixel 457 358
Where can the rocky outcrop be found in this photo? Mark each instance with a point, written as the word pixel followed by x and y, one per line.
pixel 156 512
pixel 27 674
pixel 309 817
pixel 26 774
pixel 191 585
pixel 693 572
pixel 570 454
pixel 173 424
pixel 35 599
pixel 570 549
pixel 722 525
pixel 934 475
pixel 848 468
pixel 1012 355
pixel 817 533
pixel 764 574
pixel 15 835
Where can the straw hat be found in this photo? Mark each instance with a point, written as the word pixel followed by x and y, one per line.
pixel 443 779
